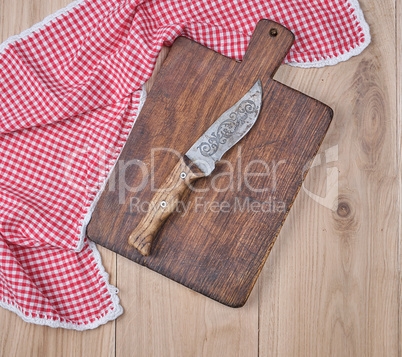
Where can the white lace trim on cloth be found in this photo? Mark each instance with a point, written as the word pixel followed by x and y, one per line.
pixel 336 58
pixel 40 25
pixel 329 61
pixel 115 310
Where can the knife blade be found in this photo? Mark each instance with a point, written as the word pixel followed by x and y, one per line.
pixel 222 135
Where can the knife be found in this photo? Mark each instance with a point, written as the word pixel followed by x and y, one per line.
pixel 224 133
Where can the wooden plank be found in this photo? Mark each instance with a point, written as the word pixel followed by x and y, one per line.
pixel 17 15
pixel 163 318
pixel 398 33
pixel 330 285
pixel 18 338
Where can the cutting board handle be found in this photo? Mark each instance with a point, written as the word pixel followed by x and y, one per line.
pixel 265 60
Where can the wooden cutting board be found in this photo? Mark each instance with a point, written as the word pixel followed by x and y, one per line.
pixel 219 239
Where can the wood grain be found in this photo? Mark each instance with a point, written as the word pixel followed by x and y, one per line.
pixel 398 131
pixel 219 251
pixel 162 205
pixel 178 322
pixel 323 291
pixel 167 319
pixel 331 282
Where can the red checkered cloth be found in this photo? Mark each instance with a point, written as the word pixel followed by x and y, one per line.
pixel 70 91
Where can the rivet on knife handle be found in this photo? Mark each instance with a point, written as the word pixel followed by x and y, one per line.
pixel 225 132
pixel 162 205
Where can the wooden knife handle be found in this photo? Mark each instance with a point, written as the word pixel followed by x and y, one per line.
pixel 163 203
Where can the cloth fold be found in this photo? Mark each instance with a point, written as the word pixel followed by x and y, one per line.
pixel 70 91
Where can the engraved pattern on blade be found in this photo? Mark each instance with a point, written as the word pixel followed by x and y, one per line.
pixel 227 130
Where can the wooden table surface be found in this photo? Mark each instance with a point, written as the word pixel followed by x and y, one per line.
pixel 331 285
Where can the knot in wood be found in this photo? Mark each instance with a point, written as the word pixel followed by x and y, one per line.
pixel 346 218
pixel 343 209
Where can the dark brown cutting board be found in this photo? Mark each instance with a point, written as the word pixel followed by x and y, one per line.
pixel 216 250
